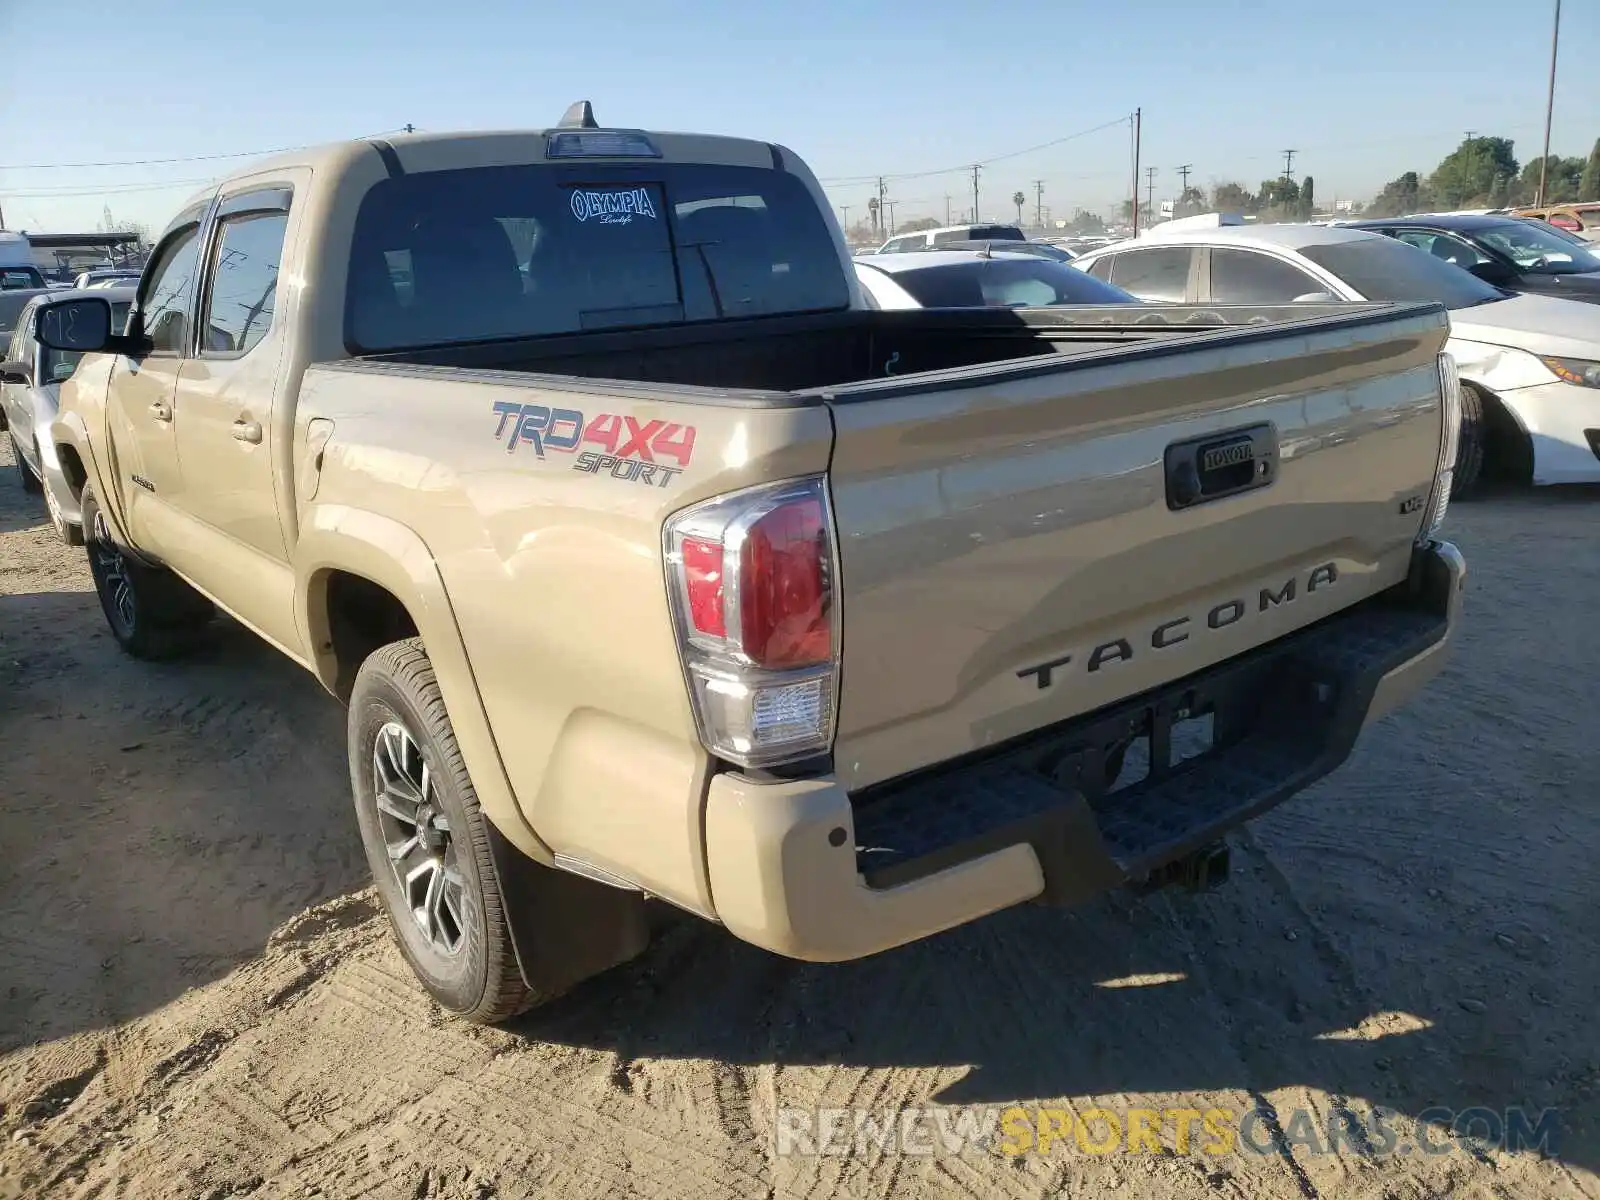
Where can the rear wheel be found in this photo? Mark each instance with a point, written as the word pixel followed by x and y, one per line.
pixel 152 613
pixel 28 480
pixel 427 841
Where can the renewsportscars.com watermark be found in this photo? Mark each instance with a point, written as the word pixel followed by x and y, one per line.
pixel 1214 1132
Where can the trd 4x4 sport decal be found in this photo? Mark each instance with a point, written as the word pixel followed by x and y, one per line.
pixel 631 450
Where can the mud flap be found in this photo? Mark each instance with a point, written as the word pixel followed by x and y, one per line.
pixel 564 928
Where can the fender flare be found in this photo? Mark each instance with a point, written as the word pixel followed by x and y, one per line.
pixel 69 430
pixel 339 538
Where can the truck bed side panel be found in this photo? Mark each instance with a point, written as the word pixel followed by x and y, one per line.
pixel 1009 558
pixel 553 567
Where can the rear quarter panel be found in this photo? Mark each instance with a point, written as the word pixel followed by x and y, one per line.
pixel 555 577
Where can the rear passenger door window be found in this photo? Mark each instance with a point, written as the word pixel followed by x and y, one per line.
pixel 244 282
pixel 1249 277
pixel 1156 274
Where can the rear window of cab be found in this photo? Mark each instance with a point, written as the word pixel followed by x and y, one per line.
pixel 491 253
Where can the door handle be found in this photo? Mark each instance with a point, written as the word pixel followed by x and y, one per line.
pixel 247 431
pixel 160 411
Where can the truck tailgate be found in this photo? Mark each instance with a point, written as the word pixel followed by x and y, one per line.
pixel 1010 551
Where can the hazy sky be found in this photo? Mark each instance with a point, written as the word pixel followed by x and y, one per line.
pixel 1362 89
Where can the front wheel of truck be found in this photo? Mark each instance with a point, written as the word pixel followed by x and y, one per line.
pixel 152 613
pixel 426 839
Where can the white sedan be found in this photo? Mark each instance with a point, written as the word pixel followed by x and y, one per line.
pixel 978 278
pixel 1530 365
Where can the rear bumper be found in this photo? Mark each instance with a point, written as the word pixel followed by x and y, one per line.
pixel 805 870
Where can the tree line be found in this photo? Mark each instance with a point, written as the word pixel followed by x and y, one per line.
pixel 1483 172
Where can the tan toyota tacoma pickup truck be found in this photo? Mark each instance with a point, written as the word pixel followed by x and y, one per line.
pixel 653 565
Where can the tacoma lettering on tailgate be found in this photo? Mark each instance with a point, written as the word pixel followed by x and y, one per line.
pixel 1178 630
pixel 631 450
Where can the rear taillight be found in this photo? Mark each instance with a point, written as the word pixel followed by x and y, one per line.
pixel 1449 446
pixel 751 578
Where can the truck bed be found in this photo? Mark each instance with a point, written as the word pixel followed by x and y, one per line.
pixel 821 353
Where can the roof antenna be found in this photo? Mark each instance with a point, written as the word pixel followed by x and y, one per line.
pixel 579 116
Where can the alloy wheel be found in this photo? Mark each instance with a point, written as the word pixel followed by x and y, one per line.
pixel 112 571
pixel 417 837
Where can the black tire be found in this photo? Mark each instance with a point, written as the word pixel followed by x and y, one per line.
pixel 462 953
pixel 1473 446
pixel 70 534
pixel 29 481
pixel 152 613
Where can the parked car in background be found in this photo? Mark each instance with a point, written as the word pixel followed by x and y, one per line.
pixel 973 278
pixel 1508 253
pixel 30 394
pixel 18 272
pixel 107 277
pixel 928 238
pixel 1529 364
pixel 1581 219
pixel 1037 249
pixel 12 302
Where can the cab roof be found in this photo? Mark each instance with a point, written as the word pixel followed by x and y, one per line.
pixel 422 151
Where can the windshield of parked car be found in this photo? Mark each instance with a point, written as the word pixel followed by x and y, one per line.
pixel 56 365
pixel 1537 250
pixel 488 253
pixel 1007 283
pixel 1383 269
pixel 20 279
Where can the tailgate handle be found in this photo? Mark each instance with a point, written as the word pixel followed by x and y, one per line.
pixel 1216 465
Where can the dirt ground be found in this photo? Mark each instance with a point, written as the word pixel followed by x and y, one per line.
pixel 198 998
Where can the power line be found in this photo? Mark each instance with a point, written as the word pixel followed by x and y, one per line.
pixel 983 162
pixel 112 189
pixel 181 158
pixel 144 162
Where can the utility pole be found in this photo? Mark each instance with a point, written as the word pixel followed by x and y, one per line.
pixel 1288 163
pixel 844 212
pixel 2 217
pixel 1183 173
pixel 891 205
pixel 1150 191
pixel 1038 212
pixel 1137 116
pixel 880 200
pixel 947 208
pixel 1549 103
pixel 410 128
pixel 974 193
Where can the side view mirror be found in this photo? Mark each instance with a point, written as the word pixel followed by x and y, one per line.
pixel 79 325
pixel 1316 298
pixel 1492 272
pixel 12 371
